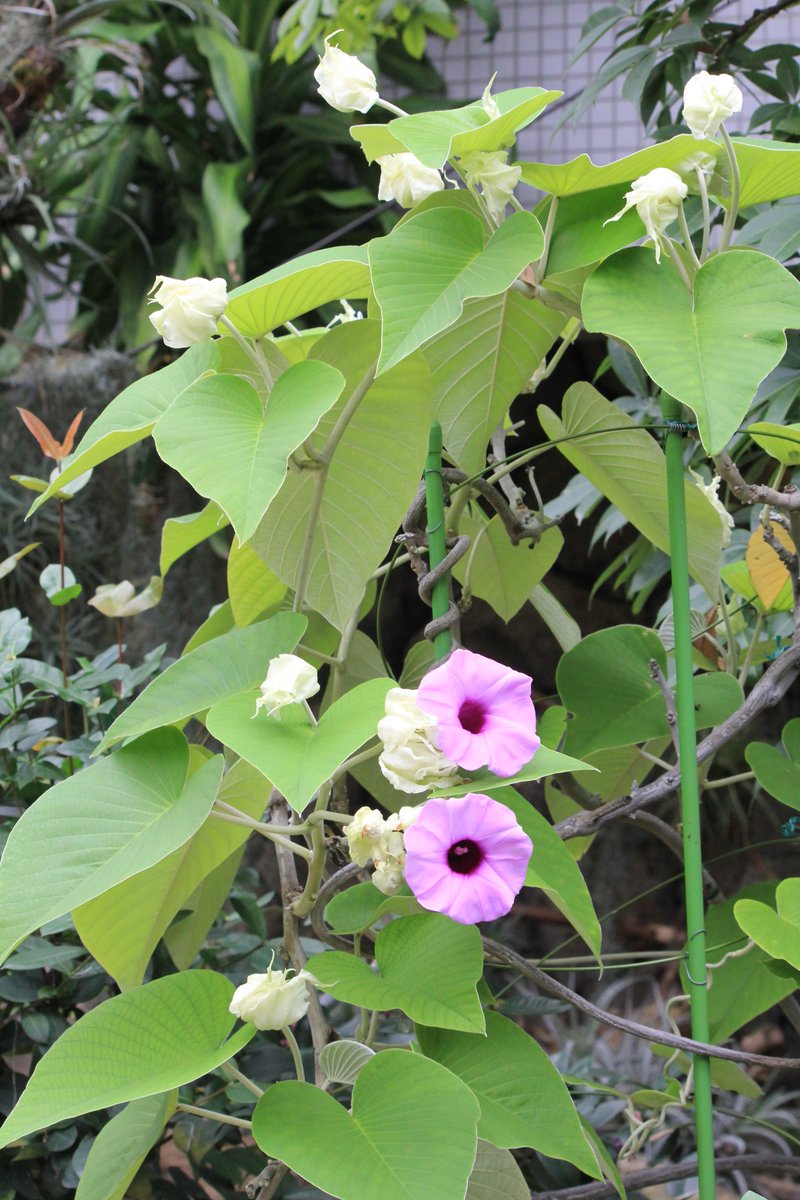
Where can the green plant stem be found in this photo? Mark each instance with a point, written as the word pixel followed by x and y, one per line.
pixel 62 615
pixel 291 1041
pixel 703 189
pixel 353 761
pixel 392 108
pixel 748 658
pixel 687 237
pixel 541 266
pixel 437 536
pixel 194 1111
pixel 678 261
pixel 736 190
pixel 732 650
pixel 264 830
pixel 231 1069
pixel 690 800
pixel 743 777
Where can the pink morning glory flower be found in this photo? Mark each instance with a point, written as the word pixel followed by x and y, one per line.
pixel 466 857
pixel 484 713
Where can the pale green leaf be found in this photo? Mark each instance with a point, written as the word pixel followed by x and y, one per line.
pixel 343 1061
pixel 122 1145
pixel 252 587
pixel 582 175
pixel 628 466
pixel 776 772
pixel 411 1134
pixel 131 1046
pixel 220 437
pixel 770 170
pixel 110 821
pixel 583 232
pixel 564 628
pixel 359 906
pixel 426 270
pixel 712 365
pixel 544 762
pixel 496 1176
pixel 181 534
pixel 781 442
pixel 500 573
pixel 776 932
pixel 428 966
pixel 221 667
pixel 524 1101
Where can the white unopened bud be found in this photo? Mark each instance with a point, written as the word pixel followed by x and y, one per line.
pixel 273 1000
pixel 657 198
pixel 490 170
pixel 405 179
pixel 289 680
pixel 711 492
pixel 190 309
pixel 363 834
pixel 120 599
pixel 708 100
pixel 346 83
pixel 411 759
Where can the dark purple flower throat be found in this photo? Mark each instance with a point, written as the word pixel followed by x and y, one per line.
pixel 464 857
pixel 472 716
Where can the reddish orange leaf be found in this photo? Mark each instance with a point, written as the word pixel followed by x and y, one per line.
pixel 69 440
pixel 47 443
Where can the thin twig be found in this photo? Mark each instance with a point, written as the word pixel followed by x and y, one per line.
pixel 636 1180
pixel 669 700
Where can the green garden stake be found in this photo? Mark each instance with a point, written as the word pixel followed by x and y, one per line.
pixel 690 798
pixel 437 536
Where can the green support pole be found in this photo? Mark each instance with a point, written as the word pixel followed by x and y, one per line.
pixel 690 800
pixel 437 535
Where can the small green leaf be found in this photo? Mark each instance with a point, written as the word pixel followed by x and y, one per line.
pixel 524 1101
pixel 343 1061
pixel 221 667
pixel 544 762
pixel 296 757
pixel 778 933
pixel 110 821
pixel 358 907
pixel 59 584
pixel 776 773
pixel 433 263
pixel 181 534
pixel 500 573
pixel 781 442
pixel 7 565
pixel 411 1134
pixel 428 965
pixel 131 1046
pixel 122 1145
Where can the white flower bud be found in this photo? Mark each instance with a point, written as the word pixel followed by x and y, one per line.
pixel 711 491
pixel 490 170
pixel 363 834
pixel 274 1000
pixel 289 680
pixel 411 759
pixel 120 599
pixel 388 875
pixel 346 83
pixel 190 309
pixel 708 100
pixel 405 179
pixel 657 197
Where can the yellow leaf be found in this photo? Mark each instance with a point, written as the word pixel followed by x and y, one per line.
pixel 767 572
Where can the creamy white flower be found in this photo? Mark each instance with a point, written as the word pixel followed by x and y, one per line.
pixel 289 680
pixel 708 100
pixel 190 309
pixel 405 179
pixel 698 160
pixel 490 171
pixel 273 1000
pixel 388 875
pixel 363 834
pixel 346 83
pixel 411 759
pixel 389 855
pixel 120 599
pixel 711 491
pixel 347 314
pixel 657 197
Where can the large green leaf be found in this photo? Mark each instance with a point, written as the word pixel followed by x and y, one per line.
pixel 776 932
pixel 743 986
pixel 710 350
pixel 122 1145
pixel 411 1134
pixel 229 447
pixel 426 270
pixel 385 443
pixel 252 587
pixel 777 773
pixel 544 762
pixel 428 966
pixel 131 416
pixel 434 136
pixel 553 869
pixel 496 1176
pixel 122 928
pixel 582 175
pixel 613 665
pixel 500 573
pixel 298 287
pixel 524 1101
pixel 481 363
pixel 222 667
pixel 131 1046
pixel 294 755
pixel 108 822
pixel 769 170
pixel 628 466
pixel 584 234
pixel 181 534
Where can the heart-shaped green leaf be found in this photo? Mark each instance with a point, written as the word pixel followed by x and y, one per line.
pixel 776 932
pixel 710 350
pixel 217 668
pixel 411 1135
pixel 220 437
pixel 432 264
pixel 131 1046
pixel 296 757
pixel 110 821
pixel 778 774
pixel 358 907
pixel 500 573
pixel 428 966
pixel 524 1101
